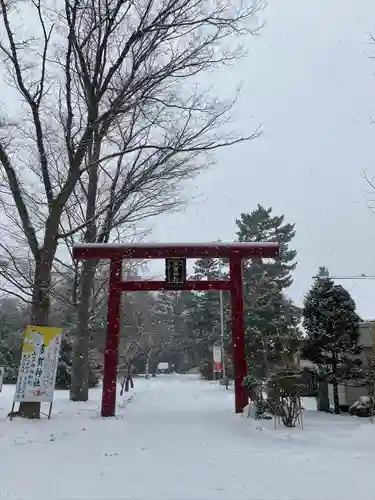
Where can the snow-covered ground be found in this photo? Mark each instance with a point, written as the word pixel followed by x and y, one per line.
pixel 179 439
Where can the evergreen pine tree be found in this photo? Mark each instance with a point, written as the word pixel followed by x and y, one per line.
pixel 169 317
pixel 261 226
pixel 332 329
pixel 13 319
pixel 271 319
pixel 64 367
pixel 63 375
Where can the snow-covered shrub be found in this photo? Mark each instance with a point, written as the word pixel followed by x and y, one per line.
pixel 254 389
pixel 362 407
pixel 285 402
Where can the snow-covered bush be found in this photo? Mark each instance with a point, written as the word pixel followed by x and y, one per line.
pixel 254 388
pixel 362 407
pixel 278 395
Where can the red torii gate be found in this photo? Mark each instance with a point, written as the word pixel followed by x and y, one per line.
pixel 175 255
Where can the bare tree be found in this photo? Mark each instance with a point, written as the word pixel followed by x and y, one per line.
pixel 85 69
pixel 134 187
pixel 137 332
pixel 91 285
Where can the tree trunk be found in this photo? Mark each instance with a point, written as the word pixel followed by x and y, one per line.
pixel 40 309
pixel 147 369
pixel 154 359
pixel 323 397
pixel 79 390
pixel 335 385
pixel 129 379
pixel 123 382
pixel 336 401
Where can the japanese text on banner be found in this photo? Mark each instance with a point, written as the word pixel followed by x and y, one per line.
pixel 38 367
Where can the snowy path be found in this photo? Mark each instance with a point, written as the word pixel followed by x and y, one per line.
pixel 179 439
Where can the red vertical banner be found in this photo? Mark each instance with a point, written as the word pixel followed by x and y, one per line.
pixel 216 354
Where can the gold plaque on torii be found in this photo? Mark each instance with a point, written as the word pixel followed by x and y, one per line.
pixel 175 271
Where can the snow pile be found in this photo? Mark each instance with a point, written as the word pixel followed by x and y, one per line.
pixel 179 439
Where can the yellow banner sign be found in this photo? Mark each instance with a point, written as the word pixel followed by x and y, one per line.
pixel 38 367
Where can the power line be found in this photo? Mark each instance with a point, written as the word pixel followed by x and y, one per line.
pixel 361 277
pixel 358 277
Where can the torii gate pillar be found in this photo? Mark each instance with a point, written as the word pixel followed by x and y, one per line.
pixel 176 254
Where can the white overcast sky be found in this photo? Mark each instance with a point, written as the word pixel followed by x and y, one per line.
pixel 309 80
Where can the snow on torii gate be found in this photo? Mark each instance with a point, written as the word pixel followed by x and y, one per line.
pixel 175 255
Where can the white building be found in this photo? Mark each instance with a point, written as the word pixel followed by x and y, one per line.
pixel 348 394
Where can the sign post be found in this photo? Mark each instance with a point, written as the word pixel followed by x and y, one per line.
pixel 38 366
